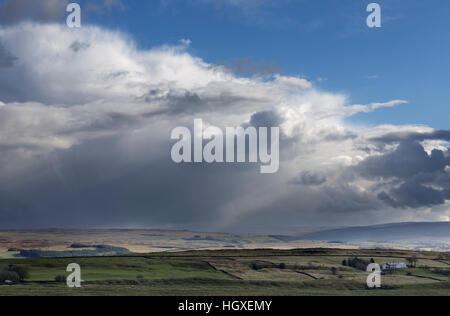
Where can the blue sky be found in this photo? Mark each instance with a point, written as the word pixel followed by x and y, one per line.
pixel 326 41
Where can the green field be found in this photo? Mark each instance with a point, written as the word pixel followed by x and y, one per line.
pixel 233 272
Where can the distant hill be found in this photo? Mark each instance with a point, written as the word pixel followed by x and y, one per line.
pixel 398 232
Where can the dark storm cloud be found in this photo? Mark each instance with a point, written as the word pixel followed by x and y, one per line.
pixel 174 103
pixel 108 122
pixel 306 205
pixel 6 59
pixel 407 160
pixel 78 46
pixel 271 119
pixel 92 151
pixel 100 184
pixel 265 119
pixel 413 136
pixel 414 195
pixel 189 103
pixel 337 137
pixel 417 179
pixel 14 212
pixel 309 178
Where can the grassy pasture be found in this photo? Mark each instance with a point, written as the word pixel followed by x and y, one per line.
pixel 234 272
pixel 117 268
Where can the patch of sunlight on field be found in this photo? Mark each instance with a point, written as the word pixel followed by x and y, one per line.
pixel 8 254
pixel 243 269
pixel 432 264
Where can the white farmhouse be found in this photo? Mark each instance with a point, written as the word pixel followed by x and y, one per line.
pixel 394 266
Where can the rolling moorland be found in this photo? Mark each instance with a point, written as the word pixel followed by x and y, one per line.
pixel 144 262
pixel 55 242
pixel 66 243
pixel 431 234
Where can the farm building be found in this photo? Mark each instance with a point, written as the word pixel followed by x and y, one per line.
pixel 394 266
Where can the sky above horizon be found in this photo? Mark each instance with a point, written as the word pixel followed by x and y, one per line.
pixel 326 42
pixel 86 114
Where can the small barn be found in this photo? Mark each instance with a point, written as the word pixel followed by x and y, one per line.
pixel 394 266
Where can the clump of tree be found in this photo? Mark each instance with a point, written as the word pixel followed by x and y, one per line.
pixel 412 261
pixel 61 279
pixel 13 273
pixel 358 263
pixel 6 275
pixel 259 265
